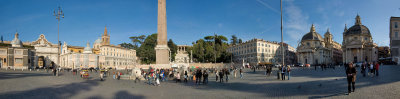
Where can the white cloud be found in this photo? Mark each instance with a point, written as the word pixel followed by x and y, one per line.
pixel 220 25
pixel 268 6
pixel 295 22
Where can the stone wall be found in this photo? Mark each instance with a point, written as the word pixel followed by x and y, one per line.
pixel 199 65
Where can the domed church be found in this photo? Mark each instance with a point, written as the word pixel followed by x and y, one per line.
pixel 358 45
pixel 316 50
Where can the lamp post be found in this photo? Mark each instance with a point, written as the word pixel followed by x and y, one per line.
pixel 283 53
pixel 58 15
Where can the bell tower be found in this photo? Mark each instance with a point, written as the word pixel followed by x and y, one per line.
pixel 105 38
pixel 328 37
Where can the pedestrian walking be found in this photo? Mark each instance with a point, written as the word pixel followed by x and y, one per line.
pixel 185 77
pixel 377 68
pixel 351 78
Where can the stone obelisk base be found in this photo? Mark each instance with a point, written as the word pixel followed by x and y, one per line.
pixel 162 54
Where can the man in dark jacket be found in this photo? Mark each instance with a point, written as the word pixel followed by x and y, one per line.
pixel 221 76
pixel 226 74
pixel 205 77
pixel 351 77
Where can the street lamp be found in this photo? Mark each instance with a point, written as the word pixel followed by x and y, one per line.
pixel 58 15
pixel 283 53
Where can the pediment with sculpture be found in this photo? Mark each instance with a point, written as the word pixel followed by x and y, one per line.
pixel 42 41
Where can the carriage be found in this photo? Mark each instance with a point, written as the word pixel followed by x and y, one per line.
pixel 85 74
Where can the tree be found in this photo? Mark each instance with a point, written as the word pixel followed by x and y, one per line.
pixel 137 40
pixel 211 48
pixel 234 40
pixel 127 45
pixel 173 47
pixel 240 41
pixel 146 50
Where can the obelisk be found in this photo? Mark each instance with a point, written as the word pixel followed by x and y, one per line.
pixel 162 50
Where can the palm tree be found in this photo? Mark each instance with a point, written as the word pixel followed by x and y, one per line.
pixel 234 40
pixel 137 40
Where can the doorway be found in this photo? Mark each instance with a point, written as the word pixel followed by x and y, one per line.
pixel 355 59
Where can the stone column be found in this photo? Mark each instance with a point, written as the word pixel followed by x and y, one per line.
pixel 162 50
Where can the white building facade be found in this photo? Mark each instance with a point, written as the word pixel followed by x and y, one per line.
pixel 257 51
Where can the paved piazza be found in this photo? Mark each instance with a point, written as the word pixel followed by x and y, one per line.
pixel 304 83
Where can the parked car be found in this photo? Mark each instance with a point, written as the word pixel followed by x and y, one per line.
pixel 277 65
pixel 358 64
pixel 299 65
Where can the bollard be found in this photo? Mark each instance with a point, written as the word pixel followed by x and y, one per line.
pixel 22 69
pixel 30 69
pixel 14 69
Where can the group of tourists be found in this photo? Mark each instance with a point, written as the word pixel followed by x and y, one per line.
pixel 281 73
pixel 155 76
pixel 373 69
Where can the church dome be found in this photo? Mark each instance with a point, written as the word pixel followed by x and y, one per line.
pixel 98 41
pixel 16 42
pixel 87 49
pixel 312 35
pixel 357 29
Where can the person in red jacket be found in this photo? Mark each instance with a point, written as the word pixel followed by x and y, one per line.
pixel 377 68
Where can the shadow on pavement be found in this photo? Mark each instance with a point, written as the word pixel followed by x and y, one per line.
pixel 13 75
pixel 52 92
pixel 313 89
pixel 126 95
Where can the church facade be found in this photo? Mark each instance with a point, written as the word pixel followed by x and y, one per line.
pixel 358 45
pixel 314 49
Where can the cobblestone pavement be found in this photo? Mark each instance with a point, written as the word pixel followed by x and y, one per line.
pixel 304 83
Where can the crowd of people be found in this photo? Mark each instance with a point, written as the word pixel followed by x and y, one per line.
pixel 196 75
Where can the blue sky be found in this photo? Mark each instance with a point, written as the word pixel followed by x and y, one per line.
pixel 190 20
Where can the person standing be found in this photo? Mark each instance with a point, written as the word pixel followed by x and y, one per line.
pixel 351 78
pixel 377 68
pixel 178 77
pixel 137 77
pixel 185 77
pixel 241 73
pixel 363 67
pixel 288 70
pixel 205 77
pixel 101 75
pixel 216 75
pixel 198 76
pixel 280 72
pixel 234 72
pixel 371 69
pixel 254 68
pixel 226 74
pixel 221 76
pixel 283 73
